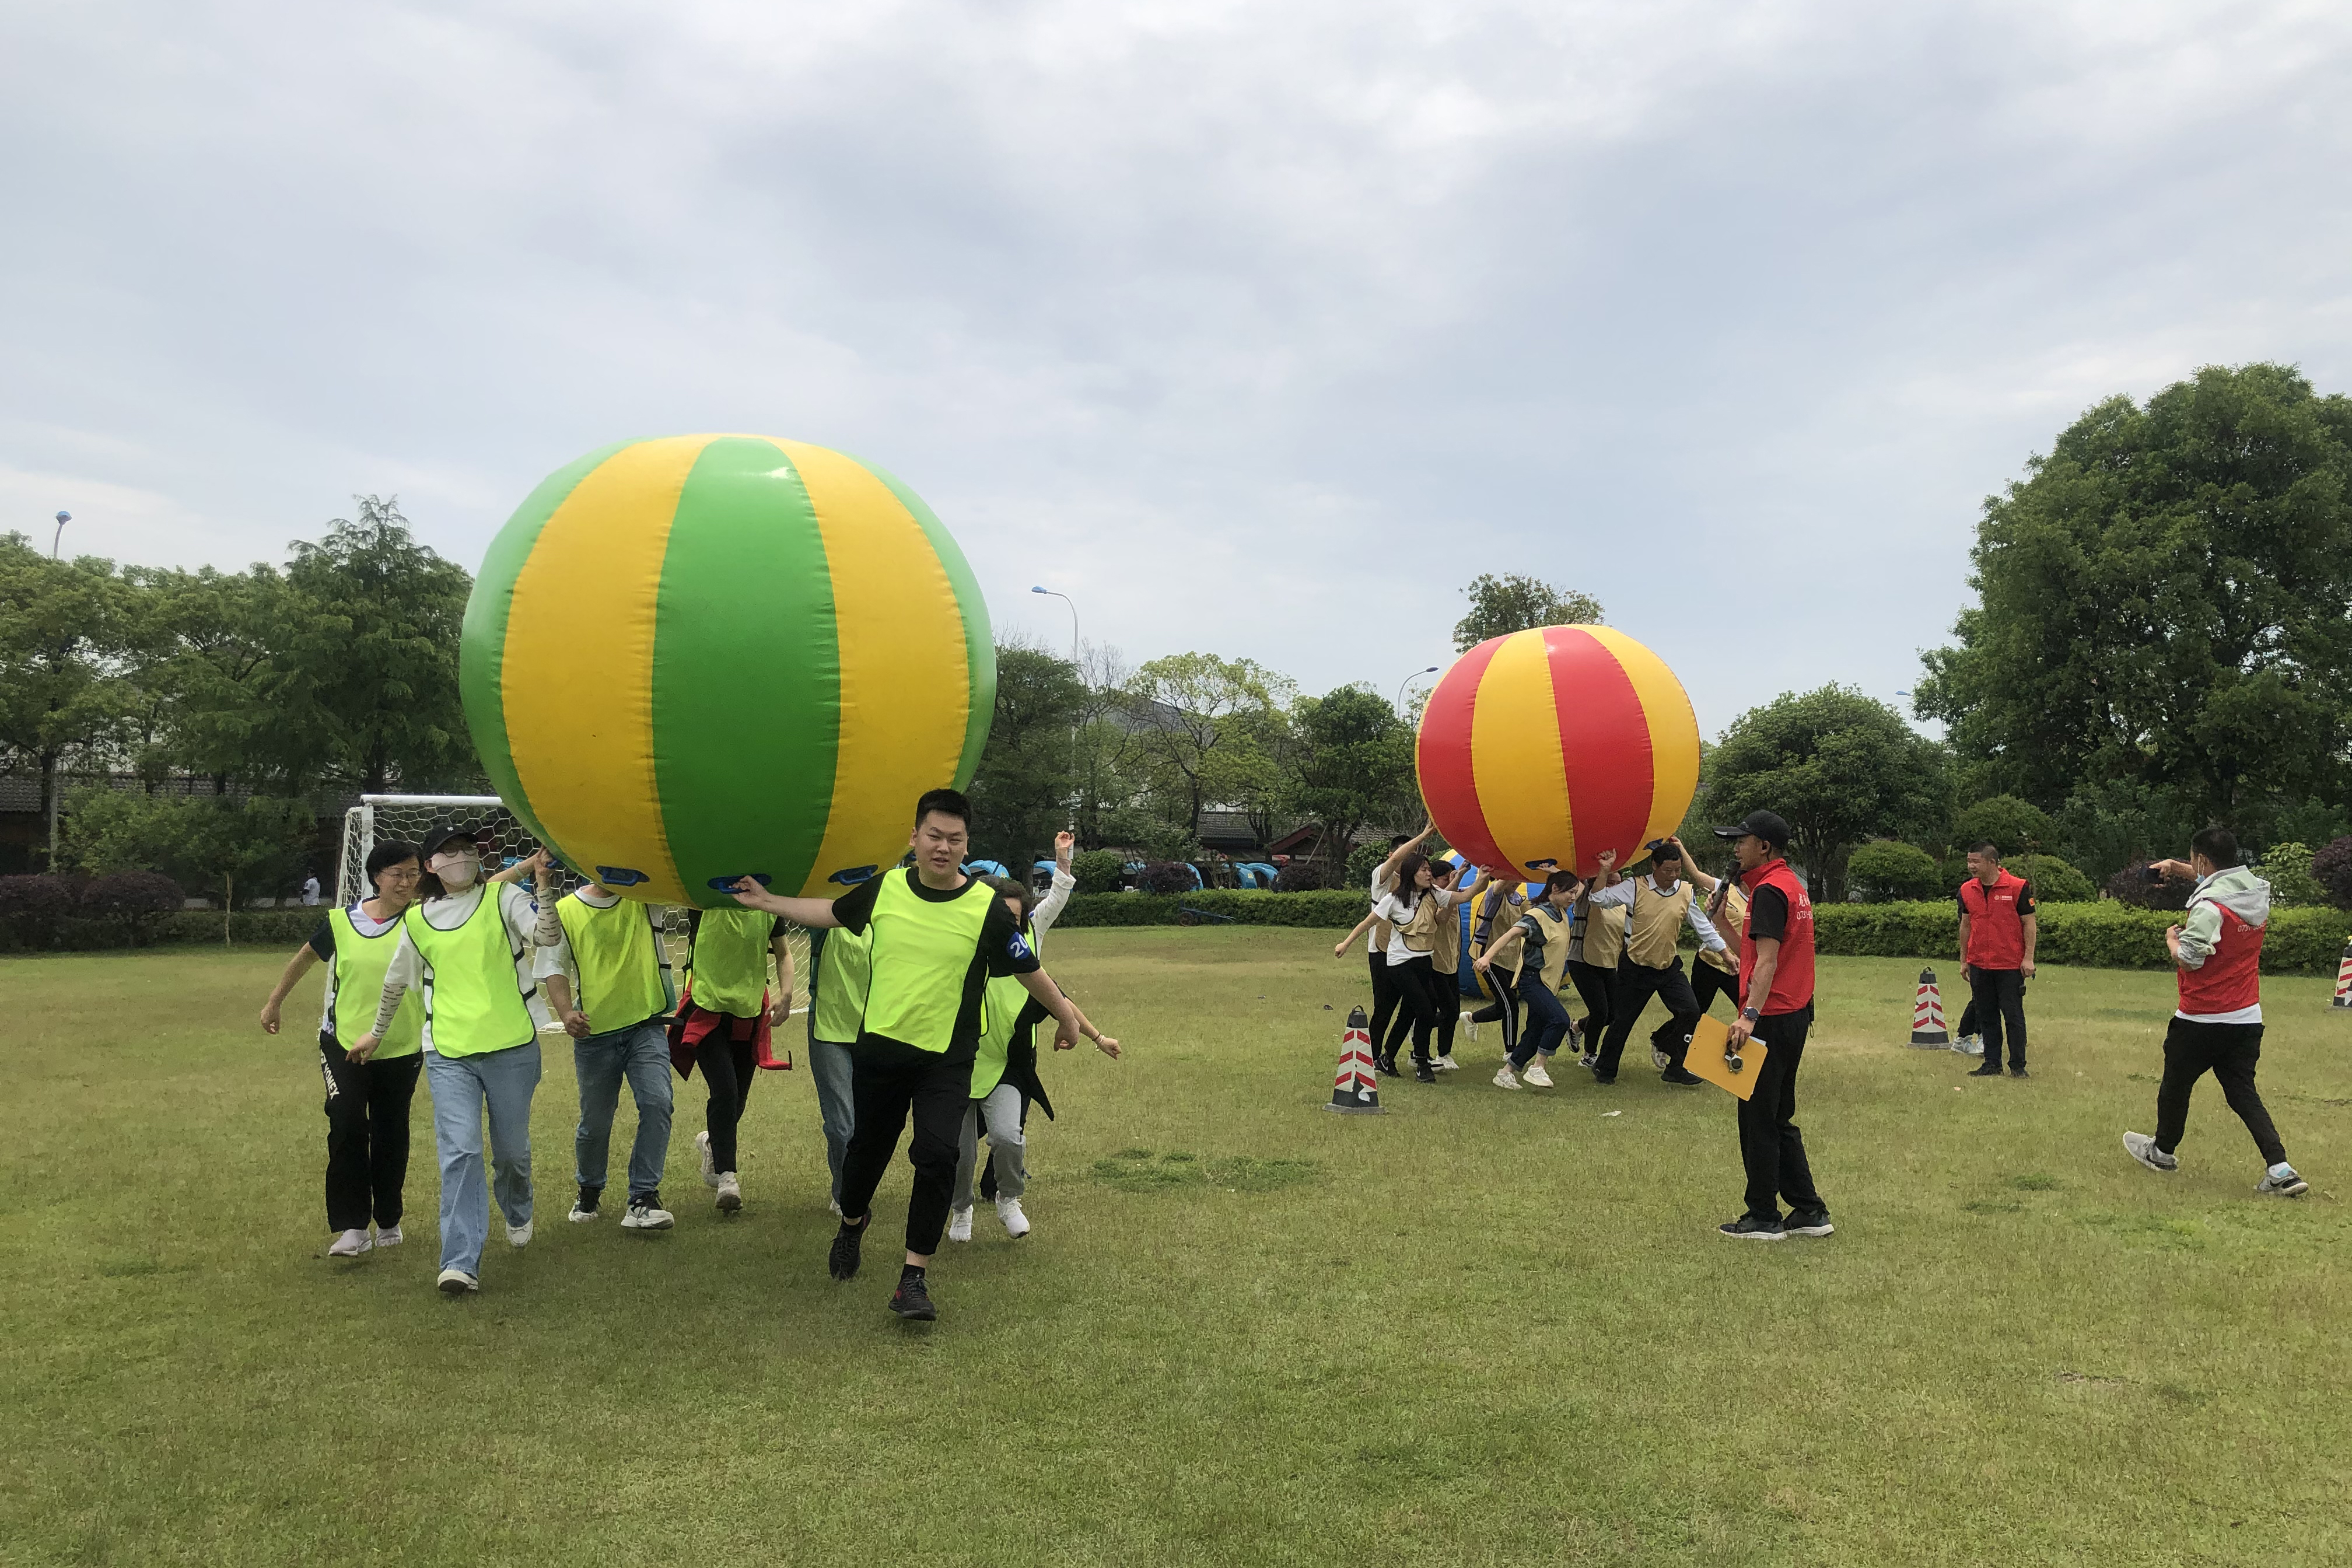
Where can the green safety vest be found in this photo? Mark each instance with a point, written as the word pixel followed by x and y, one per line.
pixel 622 979
pixel 727 971
pixel 921 952
pixel 1000 1010
pixel 473 1002
pixel 837 1004
pixel 355 990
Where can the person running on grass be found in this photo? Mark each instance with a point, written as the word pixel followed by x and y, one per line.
pixel 1716 972
pixel 2216 956
pixel 1658 905
pixel 839 968
pixel 1001 1089
pixel 469 945
pixel 1530 955
pixel 1415 912
pixel 935 937
pixel 1596 949
pixel 367 1097
pixel 724 1025
pixel 608 983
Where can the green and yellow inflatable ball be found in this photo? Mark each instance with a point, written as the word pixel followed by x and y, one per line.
pixel 701 658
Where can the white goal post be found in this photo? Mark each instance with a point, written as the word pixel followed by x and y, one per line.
pixel 410 817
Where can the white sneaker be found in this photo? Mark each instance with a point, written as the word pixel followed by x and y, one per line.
pixel 646 1215
pixel 834 1205
pixel 1506 1079
pixel 959 1225
pixel 1536 1075
pixel 1588 1060
pixel 456 1282
pixel 391 1238
pixel 351 1244
pixel 1659 1059
pixel 1447 1064
pixel 730 1192
pixel 581 1215
pixel 1969 1045
pixel 702 1150
pixel 519 1235
pixel 1016 1224
pixel 2142 1147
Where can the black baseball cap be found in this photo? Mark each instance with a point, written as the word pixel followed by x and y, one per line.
pixel 1768 825
pixel 441 837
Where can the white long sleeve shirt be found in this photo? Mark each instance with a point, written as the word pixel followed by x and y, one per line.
pixel 1624 894
pixel 1049 908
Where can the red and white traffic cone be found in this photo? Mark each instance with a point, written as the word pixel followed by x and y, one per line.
pixel 2344 979
pixel 1928 1014
pixel 1356 1091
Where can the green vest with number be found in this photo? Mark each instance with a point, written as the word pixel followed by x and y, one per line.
pixel 837 1006
pixel 358 973
pixel 999 1011
pixel 619 959
pixel 473 1002
pixel 921 951
pixel 728 970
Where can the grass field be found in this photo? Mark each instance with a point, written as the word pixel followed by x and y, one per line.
pixel 1485 1328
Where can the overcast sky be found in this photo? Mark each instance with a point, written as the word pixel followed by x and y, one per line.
pixel 1258 329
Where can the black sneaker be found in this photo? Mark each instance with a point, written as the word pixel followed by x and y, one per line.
pixel 2017 1072
pixel 1990 1069
pixel 841 1261
pixel 1422 1072
pixel 1748 1228
pixel 1610 1078
pixel 912 1301
pixel 1813 1222
pixel 1385 1066
pixel 1681 1077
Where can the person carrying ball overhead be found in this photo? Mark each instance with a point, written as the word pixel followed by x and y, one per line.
pixel 608 983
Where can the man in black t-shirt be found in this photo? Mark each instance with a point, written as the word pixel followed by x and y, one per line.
pixel 922 1024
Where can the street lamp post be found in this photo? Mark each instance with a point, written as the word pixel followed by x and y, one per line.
pixel 1408 680
pixel 63 518
pixel 1082 675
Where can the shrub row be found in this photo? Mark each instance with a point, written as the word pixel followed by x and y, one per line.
pixel 267 928
pixel 2100 936
pixel 2095 935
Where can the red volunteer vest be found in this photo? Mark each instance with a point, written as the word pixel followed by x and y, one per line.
pixel 2232 977
pixel 1996 931
pixel 1792 982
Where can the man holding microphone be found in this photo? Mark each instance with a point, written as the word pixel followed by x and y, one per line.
pixel 1776 1009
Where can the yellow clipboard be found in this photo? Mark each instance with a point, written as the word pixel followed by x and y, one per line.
pixel 1706 1058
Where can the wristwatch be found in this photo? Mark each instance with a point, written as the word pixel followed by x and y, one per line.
pixel 1751 1013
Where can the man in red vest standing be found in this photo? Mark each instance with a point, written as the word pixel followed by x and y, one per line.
pixel 2217 950
pixel 1775 1007
pixel 1997 936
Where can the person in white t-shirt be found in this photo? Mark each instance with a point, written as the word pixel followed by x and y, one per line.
pixel 1412 912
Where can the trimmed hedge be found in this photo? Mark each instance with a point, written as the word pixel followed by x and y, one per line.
pixel 2105 935
pixel 287 929
pixel 1333 910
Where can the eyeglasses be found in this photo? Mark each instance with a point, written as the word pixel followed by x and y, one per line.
pixel 406 874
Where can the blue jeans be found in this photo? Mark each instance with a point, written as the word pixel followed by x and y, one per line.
pixel 1547 1024
pixel 829 1066
pixel 641 1053
pixel 501 1082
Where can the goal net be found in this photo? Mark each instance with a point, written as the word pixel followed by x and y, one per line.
pixel 505 841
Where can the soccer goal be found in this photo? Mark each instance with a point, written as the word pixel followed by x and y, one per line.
pixel 505 841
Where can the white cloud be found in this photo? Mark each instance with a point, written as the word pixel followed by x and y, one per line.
pixel 1256 328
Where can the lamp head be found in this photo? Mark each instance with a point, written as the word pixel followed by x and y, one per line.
pixel 65 517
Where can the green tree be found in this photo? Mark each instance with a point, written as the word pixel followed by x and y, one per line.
pixel 2016 827
pixel 199 841
pixel 1888 869
pixel 1195 718
pixel 377 618
pixel 1500 605
pixel 66 633
pixel 1353 766
pixel 217 692
pixel 1842 768
pixel 1021 792
pixel 2161 603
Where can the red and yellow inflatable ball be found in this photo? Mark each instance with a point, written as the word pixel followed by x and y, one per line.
pixel 1544 748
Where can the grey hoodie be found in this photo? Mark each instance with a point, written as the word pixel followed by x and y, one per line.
pixel 2247 896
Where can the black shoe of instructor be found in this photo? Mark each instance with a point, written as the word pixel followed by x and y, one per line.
pixel 1990 1069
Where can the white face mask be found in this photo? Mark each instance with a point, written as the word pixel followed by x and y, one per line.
pixel 457 871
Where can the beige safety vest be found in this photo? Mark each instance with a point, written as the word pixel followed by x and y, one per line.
pixel 1656 924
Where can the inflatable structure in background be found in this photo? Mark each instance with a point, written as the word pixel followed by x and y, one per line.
pixel 701 658
pixel 1542 749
